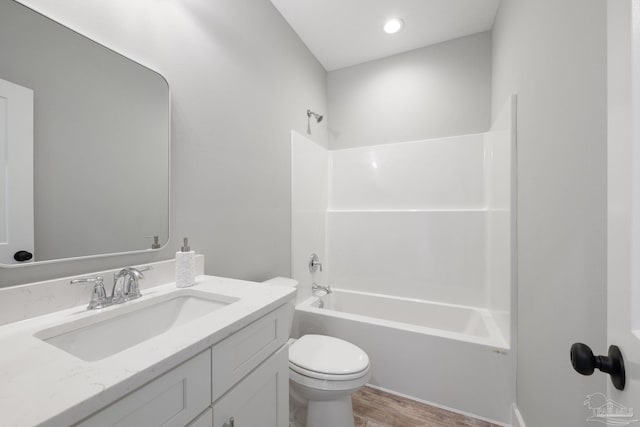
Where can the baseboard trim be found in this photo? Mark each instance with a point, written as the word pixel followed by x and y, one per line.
pixel 516 417
pixel 446 408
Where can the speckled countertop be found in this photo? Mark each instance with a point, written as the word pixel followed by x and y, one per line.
pixel 43 385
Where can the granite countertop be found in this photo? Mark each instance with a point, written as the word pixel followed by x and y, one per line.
pixel 43 385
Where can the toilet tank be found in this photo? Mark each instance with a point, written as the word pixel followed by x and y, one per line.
pixel 286 282
pixel 283 281
pixel 289 283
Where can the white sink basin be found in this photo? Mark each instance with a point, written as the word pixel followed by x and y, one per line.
pixel 121 327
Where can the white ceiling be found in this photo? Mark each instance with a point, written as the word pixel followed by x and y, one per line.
pixel 341 33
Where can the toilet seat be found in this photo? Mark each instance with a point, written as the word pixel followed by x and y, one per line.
pixel 327 377
pixel 327 358
pixel 330 385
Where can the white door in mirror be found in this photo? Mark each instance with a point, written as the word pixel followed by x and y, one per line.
pixel 16 176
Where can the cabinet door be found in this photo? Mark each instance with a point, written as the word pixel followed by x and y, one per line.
pixel 171 400
pixel 204 420
pixel 241 353
pixel 261 399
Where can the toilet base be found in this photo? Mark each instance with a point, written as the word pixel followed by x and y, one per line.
pixel 334 413
pixel 320 408
pixel 297 409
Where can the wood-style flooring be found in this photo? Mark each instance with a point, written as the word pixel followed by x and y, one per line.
pixel 375 408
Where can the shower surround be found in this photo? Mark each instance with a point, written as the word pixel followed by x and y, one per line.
pixel 426 222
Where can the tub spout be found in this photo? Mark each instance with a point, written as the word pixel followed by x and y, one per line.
pixel 319 290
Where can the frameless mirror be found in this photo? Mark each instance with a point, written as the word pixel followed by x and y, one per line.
pixel 84 145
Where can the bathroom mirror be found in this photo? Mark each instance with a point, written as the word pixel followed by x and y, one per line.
pixel 84 145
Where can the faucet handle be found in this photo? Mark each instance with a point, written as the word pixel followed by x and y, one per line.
pixel 135 275
pixel 314 263
pixel 137 272
pixel 98 294
pixel 125 284
pixel 96 280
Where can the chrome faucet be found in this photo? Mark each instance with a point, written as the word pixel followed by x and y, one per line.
pixel 126 284
pixel 99 297
pixel 320 290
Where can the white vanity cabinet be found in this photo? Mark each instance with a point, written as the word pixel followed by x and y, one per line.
pixel 259 400
pixel 242 381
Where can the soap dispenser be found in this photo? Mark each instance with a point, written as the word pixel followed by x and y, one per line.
pixel 185 266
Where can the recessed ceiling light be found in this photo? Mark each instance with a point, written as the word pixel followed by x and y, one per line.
pixel 394 25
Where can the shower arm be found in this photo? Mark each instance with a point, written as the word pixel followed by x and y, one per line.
pixel 317 116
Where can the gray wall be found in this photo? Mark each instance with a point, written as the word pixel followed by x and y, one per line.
pixel 241 80
pixel 553 55
pixel 440 90
pixel 101 143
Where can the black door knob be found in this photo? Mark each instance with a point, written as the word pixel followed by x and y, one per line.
pixel 22 256
pixel 584 362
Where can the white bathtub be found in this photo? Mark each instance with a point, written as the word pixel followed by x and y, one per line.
pixel 448 355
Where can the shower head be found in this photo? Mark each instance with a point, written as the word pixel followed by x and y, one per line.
pixel 317 116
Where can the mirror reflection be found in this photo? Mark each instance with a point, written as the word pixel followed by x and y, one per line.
pixel 84 143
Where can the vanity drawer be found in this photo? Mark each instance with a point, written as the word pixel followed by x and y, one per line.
pixel 236 356
pixel 173 399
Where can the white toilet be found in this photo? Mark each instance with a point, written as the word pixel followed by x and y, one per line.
pixel 323 374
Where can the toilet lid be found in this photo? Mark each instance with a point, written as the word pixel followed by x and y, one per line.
pixel 327 355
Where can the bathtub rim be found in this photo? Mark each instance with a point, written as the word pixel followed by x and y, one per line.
pixel 495 340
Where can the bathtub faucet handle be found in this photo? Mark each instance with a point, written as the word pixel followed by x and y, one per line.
pixel 314 263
